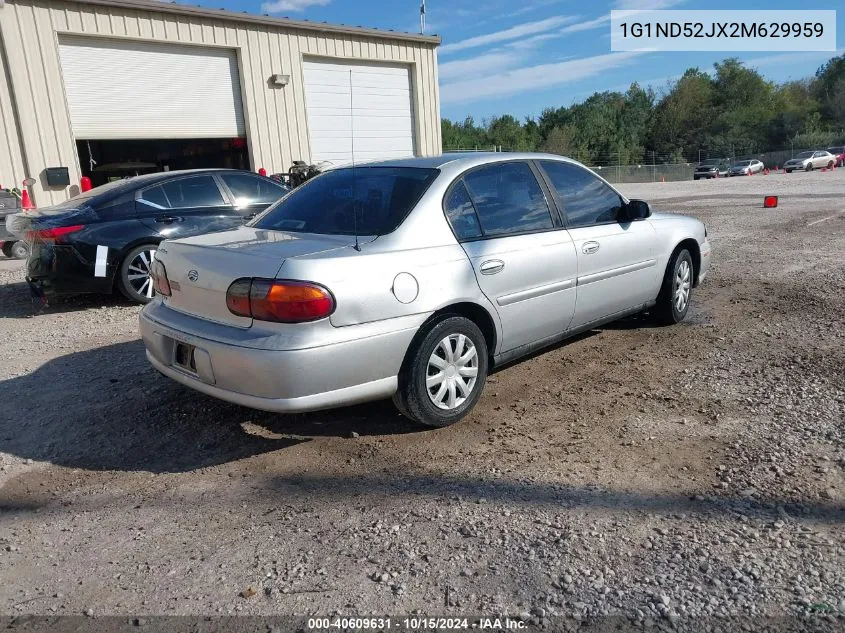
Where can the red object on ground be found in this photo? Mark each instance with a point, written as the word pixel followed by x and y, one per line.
pixel 262 171
pixel 85 184
pixel 766 171
pixel 26 202
pixel 770 202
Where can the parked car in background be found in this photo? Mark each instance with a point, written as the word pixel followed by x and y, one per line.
pixel 106 238
pixel 412 278
pixel 746 168
pixel 712 168
pixel 810 160
pixel 838 152
pixel 10 245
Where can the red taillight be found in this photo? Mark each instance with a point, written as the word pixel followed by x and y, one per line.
pixel 282 301
pixel 54 233
pixel 159 275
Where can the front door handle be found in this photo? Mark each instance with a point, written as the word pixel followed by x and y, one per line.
pixel 588 248
pixel 168 219
pixel 492 266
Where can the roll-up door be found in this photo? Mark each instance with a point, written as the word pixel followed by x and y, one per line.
pixel 135 90
pixel 363 109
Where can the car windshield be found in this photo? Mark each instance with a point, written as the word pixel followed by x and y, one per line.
pixel 743 163
pixel 805 155
pixel 362 200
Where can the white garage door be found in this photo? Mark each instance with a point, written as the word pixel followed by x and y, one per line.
pixel 360 108
pixel 126 90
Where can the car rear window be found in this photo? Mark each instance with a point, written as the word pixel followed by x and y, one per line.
pixel 373 200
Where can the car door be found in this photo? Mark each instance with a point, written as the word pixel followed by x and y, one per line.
pixel 251 194
pixel 186 205
pixel 617 259
pixel 819 159
pixel 523 260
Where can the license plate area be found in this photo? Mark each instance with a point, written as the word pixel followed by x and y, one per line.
pixel 183 357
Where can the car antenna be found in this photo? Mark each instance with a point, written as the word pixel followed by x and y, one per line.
pixel 357 246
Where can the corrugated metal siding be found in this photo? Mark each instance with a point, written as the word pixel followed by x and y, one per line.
pixel 12 170
pixel 275 117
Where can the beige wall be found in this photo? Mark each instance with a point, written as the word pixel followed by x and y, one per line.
pixel 275 118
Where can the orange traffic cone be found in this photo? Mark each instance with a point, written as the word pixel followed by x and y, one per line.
pixel 766 171
pixel 26 202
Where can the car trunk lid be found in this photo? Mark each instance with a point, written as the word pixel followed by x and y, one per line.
pixel 200 269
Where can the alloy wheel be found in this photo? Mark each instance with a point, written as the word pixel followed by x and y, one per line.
pixel 138 273
pixel 452 372
pixel 682 286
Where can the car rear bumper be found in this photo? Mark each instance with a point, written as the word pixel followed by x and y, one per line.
pixel 345 372
pixel 60 269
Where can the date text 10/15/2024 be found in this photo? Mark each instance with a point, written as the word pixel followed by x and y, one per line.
pixel 416 623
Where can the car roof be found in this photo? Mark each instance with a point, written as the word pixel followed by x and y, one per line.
pixel 463 160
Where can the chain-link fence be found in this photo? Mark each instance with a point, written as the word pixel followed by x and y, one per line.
pixel 616 167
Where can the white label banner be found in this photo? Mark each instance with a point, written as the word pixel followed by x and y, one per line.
pixel 745 30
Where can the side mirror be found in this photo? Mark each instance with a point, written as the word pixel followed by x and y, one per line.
pixel 637 210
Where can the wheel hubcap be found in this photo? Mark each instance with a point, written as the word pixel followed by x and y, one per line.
pixel 683 280
pixel 452 372
pixel 139 273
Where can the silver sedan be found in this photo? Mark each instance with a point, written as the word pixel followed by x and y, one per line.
pixel 747 168
pixel 412 279
pixel 809 161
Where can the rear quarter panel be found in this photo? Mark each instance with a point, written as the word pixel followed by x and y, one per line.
pixel 366 288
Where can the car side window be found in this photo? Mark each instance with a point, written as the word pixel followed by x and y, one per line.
pixel 586 199
pixel 249 190
pixel 155 195
pixel 461 214
pixel 196 191
pixel 508 200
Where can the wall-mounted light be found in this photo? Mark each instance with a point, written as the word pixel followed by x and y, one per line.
pixel 279 81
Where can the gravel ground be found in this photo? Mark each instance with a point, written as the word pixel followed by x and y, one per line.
pixel 646 472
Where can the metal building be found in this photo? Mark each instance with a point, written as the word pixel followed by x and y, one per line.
pixel 108 88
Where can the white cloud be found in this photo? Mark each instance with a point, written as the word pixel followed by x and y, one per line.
pixel 481 65
pixel 532 78
pixel 786 59
pixel 520 30
pixel 645 5
pixel 291 5
pixel 533 6
pixel 531 42
pixel 586 26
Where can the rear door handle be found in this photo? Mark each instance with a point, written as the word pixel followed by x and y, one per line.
pixel 492 266
pixel 588 248
pixel 168 219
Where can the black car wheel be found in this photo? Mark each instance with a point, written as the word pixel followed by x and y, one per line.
pixel 19 250
pixel 134 279
pixel 444 372
pixel 809 167
pixel 7 248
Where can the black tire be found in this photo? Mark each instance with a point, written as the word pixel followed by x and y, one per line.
pixel 666 311
pixel 7 248
pixel 809 167
pixel 788 171
pixel 830 165
pixel 413 398
pixel 134 288
pixel 19 250
pixel 695 177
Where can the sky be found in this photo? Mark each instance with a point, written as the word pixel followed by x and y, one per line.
pixel 521 56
